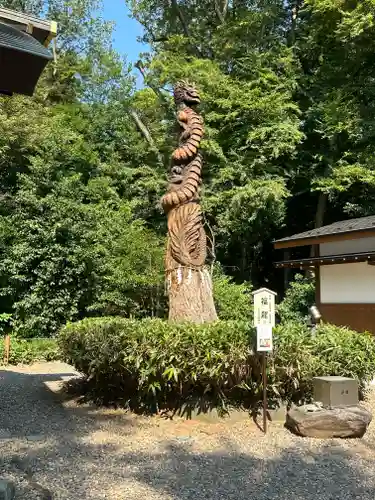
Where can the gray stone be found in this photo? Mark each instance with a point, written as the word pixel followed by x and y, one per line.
pixel 212 415
pixel 315 421
pixel 35 437
pixel 335 391
pixel 5 434
pixel 7 490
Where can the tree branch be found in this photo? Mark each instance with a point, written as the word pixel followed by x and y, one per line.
pixel 159 39
pixel 181 18
pixel 139 66
pixel 158 92
pixel 146 134
pixel 225 8
pixel 294 19
pixel 184 24
pixel 221 12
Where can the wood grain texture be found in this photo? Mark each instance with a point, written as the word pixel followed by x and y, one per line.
pixel 189 282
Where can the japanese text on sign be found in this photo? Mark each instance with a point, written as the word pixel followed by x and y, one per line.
pixel 264 307
pixel 264 318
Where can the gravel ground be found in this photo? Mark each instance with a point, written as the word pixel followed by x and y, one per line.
pixel 53 449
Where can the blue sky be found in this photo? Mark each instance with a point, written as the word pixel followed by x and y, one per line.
pixel 127 30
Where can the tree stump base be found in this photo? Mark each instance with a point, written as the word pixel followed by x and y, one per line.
pixel 316 421
pixel 190 295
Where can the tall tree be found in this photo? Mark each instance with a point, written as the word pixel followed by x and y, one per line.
pixel 71 238
pixel 248 76
pixel 335 42
pixel 287 102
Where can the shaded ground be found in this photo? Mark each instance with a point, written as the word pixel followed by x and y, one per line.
pixel 53 449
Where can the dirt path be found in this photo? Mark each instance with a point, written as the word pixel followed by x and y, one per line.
pixel 53 449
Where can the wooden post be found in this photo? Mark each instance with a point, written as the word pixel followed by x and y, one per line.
pixel 264 321
pixel 6 349
pixel 286 270
pixel 264 376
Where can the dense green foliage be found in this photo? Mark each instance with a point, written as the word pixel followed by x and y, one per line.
pixel 31 351
pixel 233 302
pixel 288 106
pixel 300 356
pixel 287 98
pixel 299 297
pixel 152 364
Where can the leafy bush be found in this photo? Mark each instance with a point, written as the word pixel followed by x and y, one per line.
pixel 233 301
pixel 299 297
pixel 344 352
pixel 299 356
pixel 30 351
pixel 293 363
pixel 151 364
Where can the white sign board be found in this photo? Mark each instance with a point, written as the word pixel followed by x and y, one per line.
pixel 264 307
pixel 264 338
pixel 264 318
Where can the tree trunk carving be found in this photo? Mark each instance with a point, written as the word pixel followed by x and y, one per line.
pixel 188 279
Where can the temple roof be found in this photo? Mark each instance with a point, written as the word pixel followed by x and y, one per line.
pixel 315 236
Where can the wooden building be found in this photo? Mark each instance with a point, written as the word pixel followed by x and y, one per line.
pixel 23 51
pixel 343 258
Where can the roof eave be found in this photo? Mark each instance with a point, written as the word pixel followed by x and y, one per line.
pixel 324 238
pixel 327 260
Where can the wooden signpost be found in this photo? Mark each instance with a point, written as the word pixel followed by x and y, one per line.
pixel 264 321
pixel 6 349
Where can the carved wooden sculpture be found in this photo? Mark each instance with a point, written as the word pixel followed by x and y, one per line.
pixel 189 280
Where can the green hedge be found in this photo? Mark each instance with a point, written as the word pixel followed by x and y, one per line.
pixel 30 351
pixel 152 364
pixel 299 356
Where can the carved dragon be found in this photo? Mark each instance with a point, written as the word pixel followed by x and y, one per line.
pixel 187 244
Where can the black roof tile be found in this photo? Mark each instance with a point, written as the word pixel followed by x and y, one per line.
pixel 345 226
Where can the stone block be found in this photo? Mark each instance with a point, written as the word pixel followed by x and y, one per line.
pixel 336 391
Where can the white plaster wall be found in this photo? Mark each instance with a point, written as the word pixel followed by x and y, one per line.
pixel 347 284
pixel 348 246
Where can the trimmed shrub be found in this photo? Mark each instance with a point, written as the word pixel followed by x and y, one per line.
pixel 299 356
pixel 343 352
pixel 292 364
pixel 31 351
pixel 152 364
